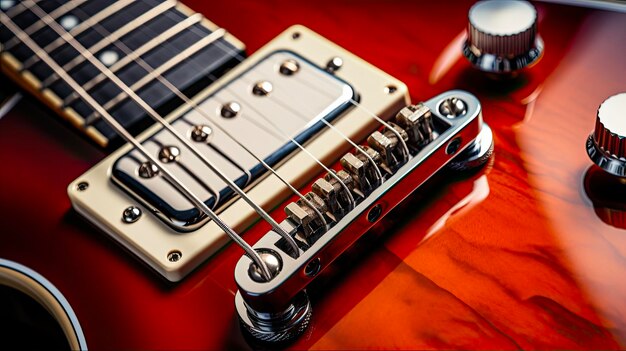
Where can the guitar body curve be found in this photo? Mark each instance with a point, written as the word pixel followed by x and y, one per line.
pixel 519 254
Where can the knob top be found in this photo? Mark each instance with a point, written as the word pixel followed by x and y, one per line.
pixel 607 144
pixel 612 115
pixel 502 36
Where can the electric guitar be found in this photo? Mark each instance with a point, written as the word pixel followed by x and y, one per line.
pixel 327 175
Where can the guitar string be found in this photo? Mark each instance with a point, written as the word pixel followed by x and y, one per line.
pixel 206 115
pixel 42 15
pixel 239 58
pixel 326 122
pixel 37 50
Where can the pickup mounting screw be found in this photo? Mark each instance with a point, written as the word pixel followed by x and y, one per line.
pixel 131 214
pixel 334 64
pixel 174 256
pixel 82 186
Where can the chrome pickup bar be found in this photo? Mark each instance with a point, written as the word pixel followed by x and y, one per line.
pixel 278 309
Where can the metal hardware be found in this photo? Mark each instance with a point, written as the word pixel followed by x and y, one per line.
pixel 276 327
pixel 174 256
pixel 606 146
pixel 453 146
pixel 234 159
pixel 477 154
pixel 374 213
pixel 453 107
pixel 147 170
pixel 230 109
pixel 502 36
pixel 262 88
pixel 272 261
pixel 416 120
pixel 390 89
pixel 201 133
pixel 169 154
pixel 289 67
pixel 334 64
pixel 131 214
pixel 82 186
pixel 374 200
pixel 312 52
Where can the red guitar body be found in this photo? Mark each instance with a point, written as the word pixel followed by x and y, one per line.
pixel 519 254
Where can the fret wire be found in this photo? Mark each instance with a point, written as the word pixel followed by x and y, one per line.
pixel 110 10
pixel 199 45
pixel 152 113
pixel 18 8
pixel 129 138
pixel 59 11
pixel 136 54
pixel 115 35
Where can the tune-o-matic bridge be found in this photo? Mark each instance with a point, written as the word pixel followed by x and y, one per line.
pixel 421 139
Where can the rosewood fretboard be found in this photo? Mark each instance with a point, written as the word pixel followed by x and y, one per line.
pixel 182 46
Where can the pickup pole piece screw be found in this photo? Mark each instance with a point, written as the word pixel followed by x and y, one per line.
pixel 262 88
pixel 230 109
pixel 289 67
pixel 131 214
pixel 201 133
pixel 147 170
pixel 169 154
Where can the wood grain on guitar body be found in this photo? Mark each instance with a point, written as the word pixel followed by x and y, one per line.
pixel 312 175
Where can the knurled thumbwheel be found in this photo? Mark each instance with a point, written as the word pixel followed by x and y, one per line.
pixel 502 36
pixel 606 146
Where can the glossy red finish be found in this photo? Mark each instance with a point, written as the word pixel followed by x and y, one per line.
pixel 512 256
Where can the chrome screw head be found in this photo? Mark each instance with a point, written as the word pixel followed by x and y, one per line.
pixel 262 88
pixel 169 154
pixel 174 256
pixel 334 64
pixel 230 109
pixel 273 264
pixel 131 214
pixel 148 170
pixel 289 67
pixel 201 133
pixel 453 107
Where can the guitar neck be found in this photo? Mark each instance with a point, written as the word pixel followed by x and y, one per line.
pixel 138 41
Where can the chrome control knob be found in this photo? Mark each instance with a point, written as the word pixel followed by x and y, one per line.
pixel 502 36
pixel 606 146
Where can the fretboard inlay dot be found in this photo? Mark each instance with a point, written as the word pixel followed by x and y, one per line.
pixel 109 57
pixel 68 22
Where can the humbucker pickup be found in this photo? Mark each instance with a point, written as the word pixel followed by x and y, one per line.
pixel 239 116
pixel 327 85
